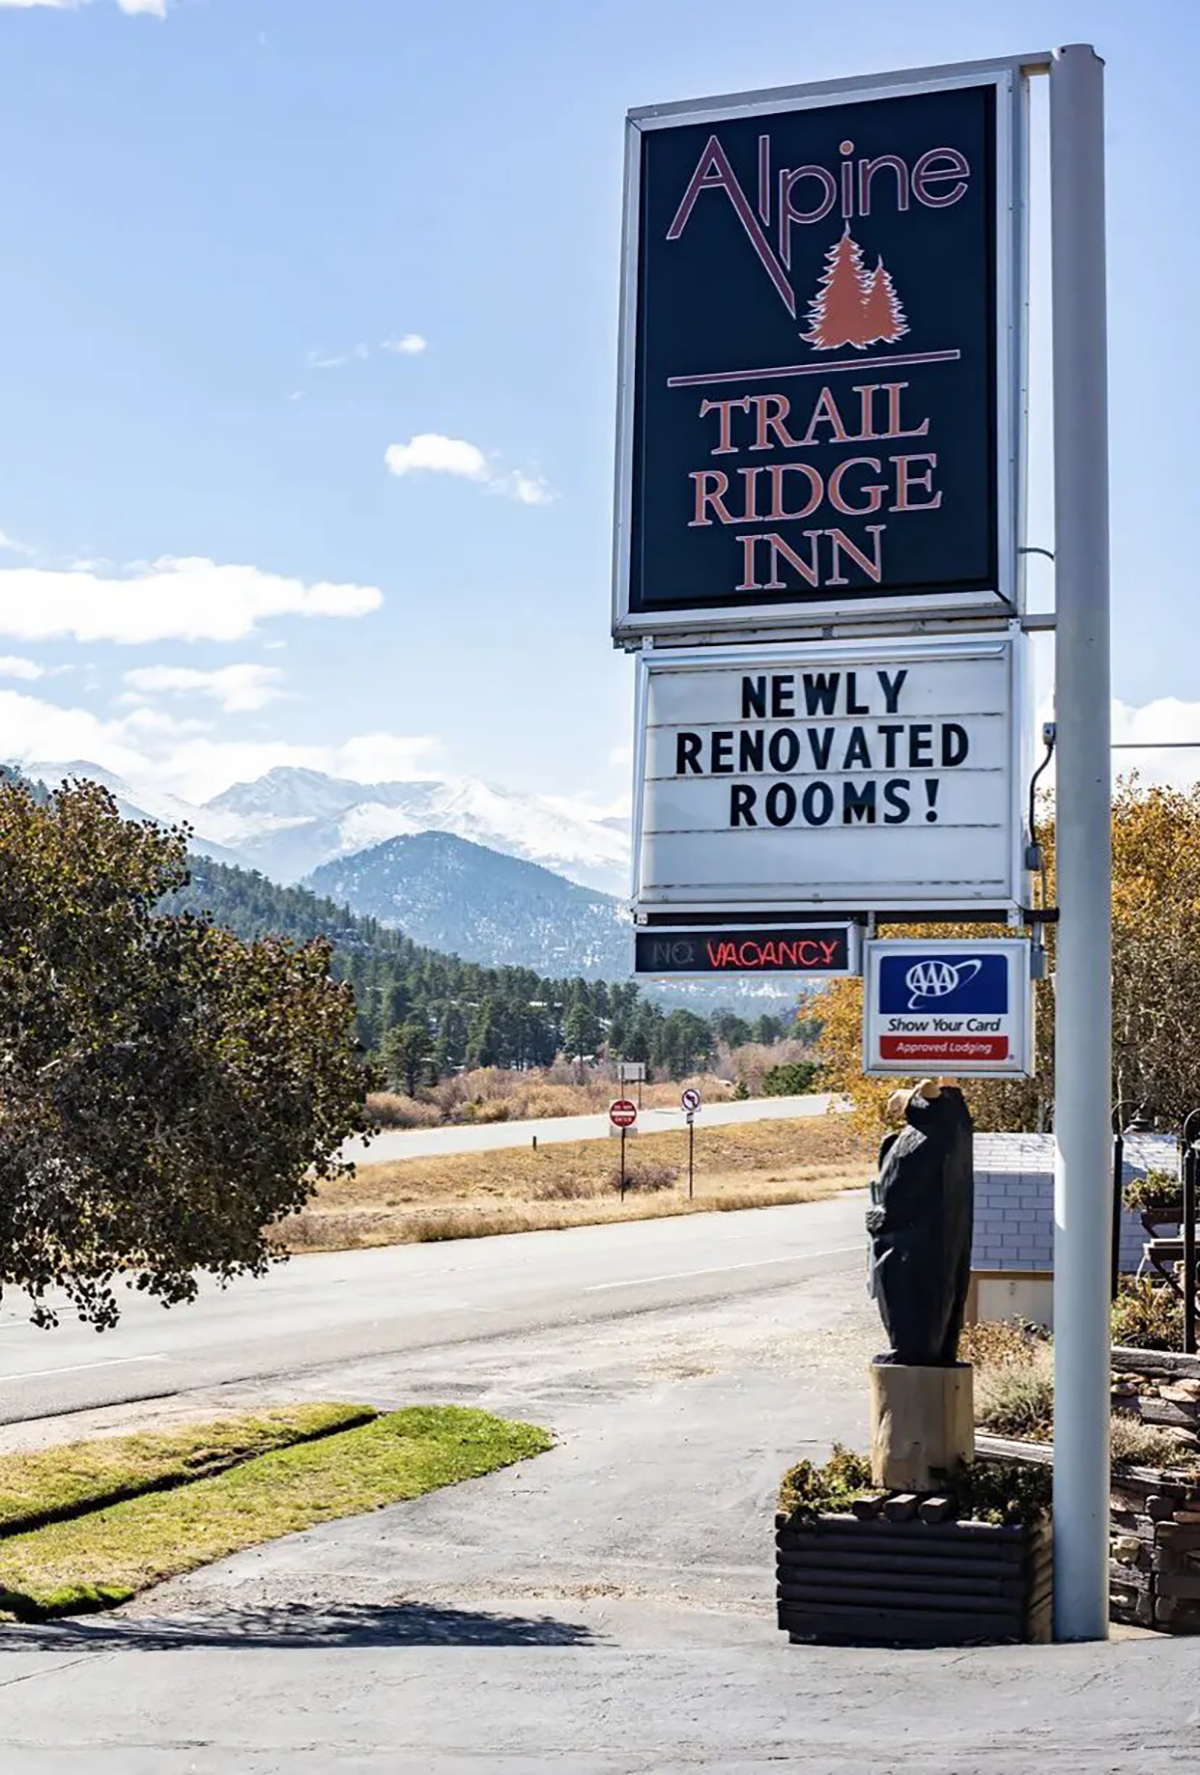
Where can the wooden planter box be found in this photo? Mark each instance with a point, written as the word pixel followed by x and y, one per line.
pixel 841 1580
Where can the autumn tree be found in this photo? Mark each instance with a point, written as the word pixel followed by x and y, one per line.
pixel 883 318
pixel 1156 979
pixel 835 316
pixel 167 1090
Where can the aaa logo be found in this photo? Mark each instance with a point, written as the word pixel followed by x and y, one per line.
pixel 937 979
pixel 854 306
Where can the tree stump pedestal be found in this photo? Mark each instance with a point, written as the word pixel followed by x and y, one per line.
pixel 922 1425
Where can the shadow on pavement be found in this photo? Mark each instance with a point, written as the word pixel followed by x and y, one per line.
pixel 296 1627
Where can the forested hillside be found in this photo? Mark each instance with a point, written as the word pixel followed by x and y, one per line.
pixel 421 1009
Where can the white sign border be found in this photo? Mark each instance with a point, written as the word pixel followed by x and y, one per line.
pixel 1009 76
pixel 1023 1042
pixel 806 654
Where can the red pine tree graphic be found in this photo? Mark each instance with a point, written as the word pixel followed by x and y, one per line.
pixel 883 318
pixel 835 316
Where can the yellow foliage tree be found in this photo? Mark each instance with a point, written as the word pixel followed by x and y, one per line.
pixel 1156 979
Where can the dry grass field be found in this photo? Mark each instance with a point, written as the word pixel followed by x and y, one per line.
pixel 747 1165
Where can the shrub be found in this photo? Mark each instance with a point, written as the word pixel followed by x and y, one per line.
pixel 808 1490
pixel 391 1109
pixel 988 1491
pixel 567 1189
pixel 1015 1397
pixel 741 1091
pixel 1154 1193
pixel 1147 1445
pixel 1004 1491
pixel 994 1341
pixel 791 1079
pixel 1147 1315
pixel 646 1177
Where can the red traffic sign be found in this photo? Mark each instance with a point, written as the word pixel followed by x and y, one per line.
pixel 622 1113
pixel 690 1100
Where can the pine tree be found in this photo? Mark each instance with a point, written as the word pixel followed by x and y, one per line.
pixel 883 317
pixel 835 316
pixel 406 1055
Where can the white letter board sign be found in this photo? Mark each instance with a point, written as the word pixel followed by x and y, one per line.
pixel 865 775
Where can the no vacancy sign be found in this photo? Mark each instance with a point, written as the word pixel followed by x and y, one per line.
pixel 953 1007
pixel 820 353
pixel 851 777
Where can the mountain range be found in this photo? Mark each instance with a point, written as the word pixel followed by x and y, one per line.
pixel 458 866
pixel 449 894
pixel 291 821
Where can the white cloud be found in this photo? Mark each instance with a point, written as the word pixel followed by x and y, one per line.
pixel 432 453
pixel 385 757
pixel 410 344
pixel 153 748
pixel 155 8
pixel 318 360
pixel 238 689
pixel 13 666
pixel 9 544
pixel 525 489
pixel 188 599
pixel 1166 718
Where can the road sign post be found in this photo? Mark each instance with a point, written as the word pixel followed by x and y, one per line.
pixel 690 1099
pixel 622 1114
pixel 1083 846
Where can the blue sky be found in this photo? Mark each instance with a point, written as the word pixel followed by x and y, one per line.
pixel 252 246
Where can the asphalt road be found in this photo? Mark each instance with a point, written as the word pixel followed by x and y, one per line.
pixel 423 1143
pixel 342 1306
pixel 605 1609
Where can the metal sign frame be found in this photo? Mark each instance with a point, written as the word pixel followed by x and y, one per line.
pixel 1016 950
pixel 1009 78
pixel 890 648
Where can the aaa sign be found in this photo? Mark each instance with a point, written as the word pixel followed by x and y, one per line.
pixel 816 400
pixel 856 777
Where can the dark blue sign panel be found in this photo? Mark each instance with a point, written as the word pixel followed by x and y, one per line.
pixel 951 985
pixel 814 356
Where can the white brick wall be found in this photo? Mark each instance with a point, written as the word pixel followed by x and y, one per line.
pixel 1014 1198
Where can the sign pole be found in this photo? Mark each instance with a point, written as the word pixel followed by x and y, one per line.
pixel 691 1155
pixel 1083 993
pixel 622 1161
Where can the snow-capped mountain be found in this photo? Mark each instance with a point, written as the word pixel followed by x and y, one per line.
pixel 290 821
pixel 449 894
pixel 140 802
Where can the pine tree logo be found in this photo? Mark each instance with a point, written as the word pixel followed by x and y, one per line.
pixel 854 306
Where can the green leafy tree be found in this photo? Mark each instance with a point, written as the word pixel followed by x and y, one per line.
pixel 167 1090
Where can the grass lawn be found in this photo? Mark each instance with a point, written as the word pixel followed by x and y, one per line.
pixel 55 1483
pixel 466 1195
pixel 109 1555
